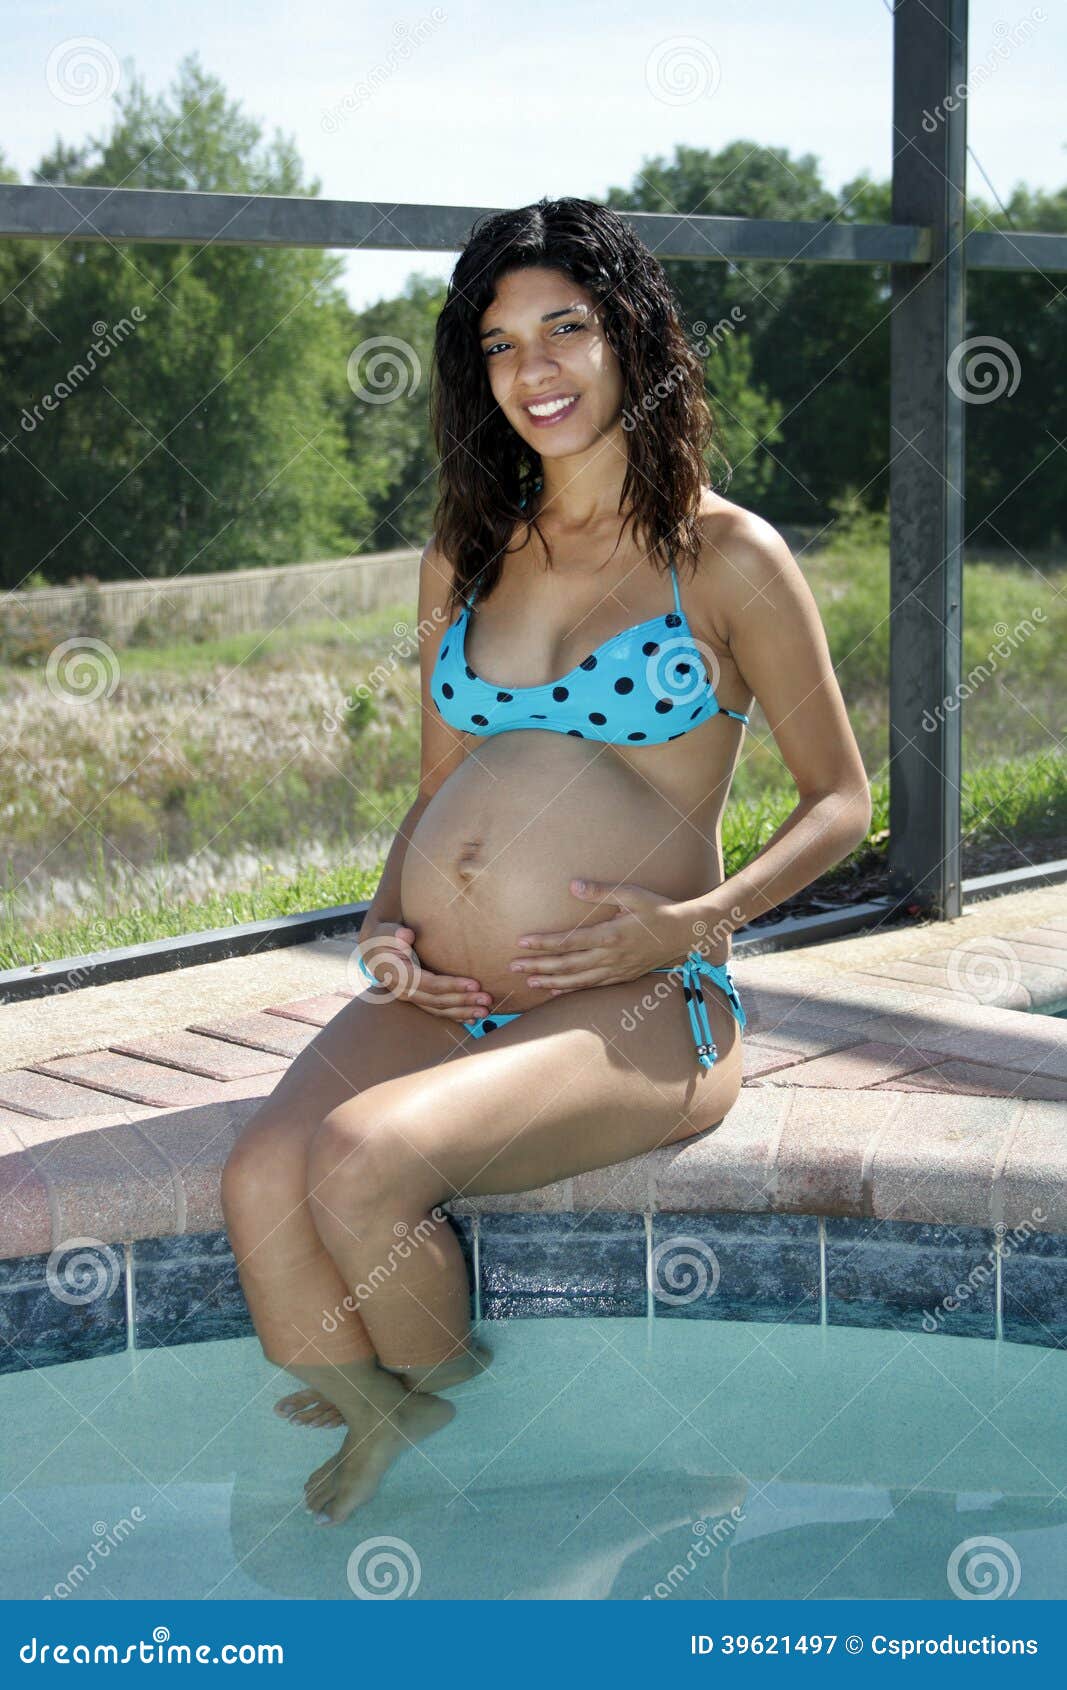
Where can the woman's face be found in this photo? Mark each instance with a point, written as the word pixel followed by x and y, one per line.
pixel 543 342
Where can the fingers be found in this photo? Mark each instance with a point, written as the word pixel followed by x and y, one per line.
pixel 399 971
pixel 598 933
pixel 450 983
pixel 577 982
pixel 453 996
pixel 580 963
pixel 452 1005
pixel 575 940
pixel 467 1013
pixel 447 990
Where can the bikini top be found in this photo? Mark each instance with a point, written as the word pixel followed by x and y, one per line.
pixel 645 685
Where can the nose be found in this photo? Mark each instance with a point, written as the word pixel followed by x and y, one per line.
pixel 536 372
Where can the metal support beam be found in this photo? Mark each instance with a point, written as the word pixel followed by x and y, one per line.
pixel 926 452
pixel 1012 249
pixel 42 212
pixel 158 215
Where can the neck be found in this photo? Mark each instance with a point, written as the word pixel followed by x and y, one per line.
pixel 583 492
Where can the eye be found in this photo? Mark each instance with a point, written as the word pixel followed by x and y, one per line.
pixel 490 350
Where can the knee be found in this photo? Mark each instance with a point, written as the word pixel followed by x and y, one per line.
pixel 358 1168
pixel 258 1172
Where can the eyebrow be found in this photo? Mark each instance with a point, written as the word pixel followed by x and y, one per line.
pixel 549 317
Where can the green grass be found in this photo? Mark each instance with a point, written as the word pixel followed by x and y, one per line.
pixel 358 641
pixel 273 897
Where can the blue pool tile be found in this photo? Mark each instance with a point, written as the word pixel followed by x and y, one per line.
pixel 186 1290
pixel 1034 1285
pixel 562 1264
pixel 734 1266
pixel 463 1227
pixel 513 1305
pixel 912 1275
pixel 64 1307
pixel 176 1247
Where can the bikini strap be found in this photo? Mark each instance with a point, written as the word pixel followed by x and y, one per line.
pixel 739 715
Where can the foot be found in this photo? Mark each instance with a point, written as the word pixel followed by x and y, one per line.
pixel 375 1437
pixel 307 1408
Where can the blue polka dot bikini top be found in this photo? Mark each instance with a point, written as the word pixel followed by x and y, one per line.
pixel 645 685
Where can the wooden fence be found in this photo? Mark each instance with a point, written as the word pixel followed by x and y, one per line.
pixel 240 601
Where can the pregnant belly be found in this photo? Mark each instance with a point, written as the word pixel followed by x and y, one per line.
pixel 495 850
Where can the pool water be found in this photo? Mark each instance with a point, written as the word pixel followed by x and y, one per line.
pixel 682 1461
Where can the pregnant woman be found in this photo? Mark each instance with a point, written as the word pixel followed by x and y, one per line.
pixel 550 938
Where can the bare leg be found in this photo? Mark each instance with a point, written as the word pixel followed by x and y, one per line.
pixel 300 1304
pixel 557 1093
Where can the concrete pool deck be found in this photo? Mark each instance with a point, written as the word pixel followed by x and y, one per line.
pixel 901 1077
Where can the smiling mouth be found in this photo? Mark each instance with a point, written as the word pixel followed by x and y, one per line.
pixel 551 410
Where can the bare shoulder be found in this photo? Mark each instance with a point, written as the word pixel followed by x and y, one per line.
pixel 443 748
pixel 435 569
pixel 435 604
pixel 436 575
pixel 742 557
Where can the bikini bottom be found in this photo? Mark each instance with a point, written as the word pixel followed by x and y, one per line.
pixel 691 971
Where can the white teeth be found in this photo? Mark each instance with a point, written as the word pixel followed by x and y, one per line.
pixel 552 406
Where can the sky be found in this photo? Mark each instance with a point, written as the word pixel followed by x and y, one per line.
pixel 470 103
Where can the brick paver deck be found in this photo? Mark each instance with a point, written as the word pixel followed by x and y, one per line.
pixel 887 1089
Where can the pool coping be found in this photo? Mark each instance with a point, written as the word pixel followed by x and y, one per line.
pixel 881 1096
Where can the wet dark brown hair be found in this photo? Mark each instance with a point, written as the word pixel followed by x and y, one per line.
pixel 486 469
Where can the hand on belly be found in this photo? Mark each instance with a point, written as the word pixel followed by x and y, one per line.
pixel 494 853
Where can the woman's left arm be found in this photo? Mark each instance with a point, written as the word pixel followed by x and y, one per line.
pixel 757 599
pixel 754 588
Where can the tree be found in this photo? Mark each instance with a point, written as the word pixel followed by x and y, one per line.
pixel 808 348
pixel 1015 481
pixel 208 435
pixel 386 415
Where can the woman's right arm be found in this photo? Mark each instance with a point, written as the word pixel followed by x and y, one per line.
pixel 442 749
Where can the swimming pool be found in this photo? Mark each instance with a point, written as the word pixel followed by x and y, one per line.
pixel 601 1458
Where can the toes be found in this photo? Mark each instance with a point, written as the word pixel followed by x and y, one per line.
pixel 321 1474
pixel 286 1406
pixel 319 1480
pixel 340 1505
pixel 317 1498
pixel 298 1402
pixel 307 1408
pixel 321 1485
